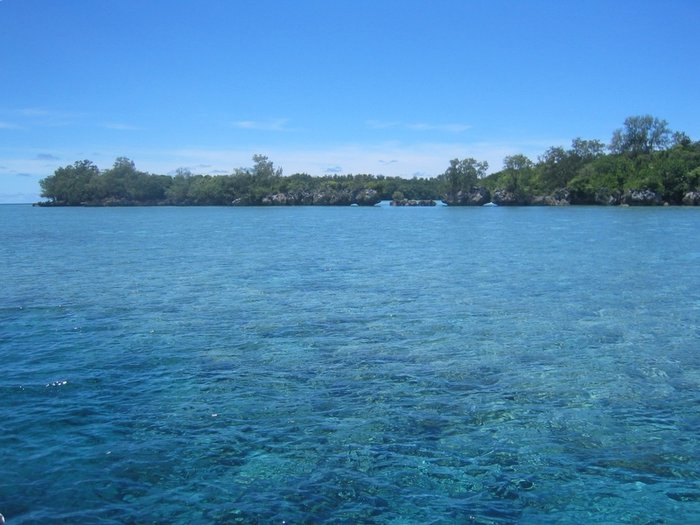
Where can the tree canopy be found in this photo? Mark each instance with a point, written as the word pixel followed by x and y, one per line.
pixel 641 134
pixel 462 175
pixel 644 155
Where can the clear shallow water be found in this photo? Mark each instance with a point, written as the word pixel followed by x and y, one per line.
pixel 350 365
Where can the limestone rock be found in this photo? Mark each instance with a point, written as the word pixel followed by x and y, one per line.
pixel 641 198
pixel 367 197
pixel 692 198
pixel 474 197
pixel 503 197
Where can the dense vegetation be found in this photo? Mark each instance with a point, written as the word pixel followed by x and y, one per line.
pixel 645 163
pixel 84 184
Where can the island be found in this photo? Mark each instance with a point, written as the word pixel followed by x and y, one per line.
pixel 644 164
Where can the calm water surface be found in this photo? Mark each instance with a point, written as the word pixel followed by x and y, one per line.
pixel 350 365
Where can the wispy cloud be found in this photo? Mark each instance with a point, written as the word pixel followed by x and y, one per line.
pixel 36 117
pixel 402 159
pixel 120 126
pixel 450 128
pixel 18 198
pixel 418 126
pixel 382 124
pixel 49 117
pixel 423 159
pixel 263 125
pixel 35 112
pixel 46 156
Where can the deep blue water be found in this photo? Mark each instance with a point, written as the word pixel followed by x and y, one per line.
pixel 350 365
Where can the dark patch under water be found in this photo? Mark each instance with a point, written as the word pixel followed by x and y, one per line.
pixel 349 365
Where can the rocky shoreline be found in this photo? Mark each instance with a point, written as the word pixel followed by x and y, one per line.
pixel 477 196
pixel 565 197
pixel 319 198
pixel 413 202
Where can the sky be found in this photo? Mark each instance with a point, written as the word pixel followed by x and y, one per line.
pixel 386 87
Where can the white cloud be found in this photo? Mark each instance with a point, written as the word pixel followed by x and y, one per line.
pixel 418 126
pixel 34 112
pixel 19 197
pixel 49 117
pixel 119 126
pixel 450 128
pixel 19 179
pixel 43 117
pixel 422 159
pixel 262 125
pixel 390 158
pixel 382 124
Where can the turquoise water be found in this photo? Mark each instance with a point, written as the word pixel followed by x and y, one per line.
pixel 350 365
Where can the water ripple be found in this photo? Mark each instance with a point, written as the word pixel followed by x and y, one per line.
pixel 218 365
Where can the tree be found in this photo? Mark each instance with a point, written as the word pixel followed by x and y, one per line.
pixel 397 196
pixel 641 134
pixel 462 175
pixel 118 181
pixel 517 171
pixel 681 139
pixel 586 150
pixel 557 166
pixel 602 180
pixel 264 168
pixel 554 168
pixel 70 185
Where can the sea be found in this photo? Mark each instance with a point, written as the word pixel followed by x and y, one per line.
pixel 350 365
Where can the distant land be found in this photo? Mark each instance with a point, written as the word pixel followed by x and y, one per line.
pixel 645 164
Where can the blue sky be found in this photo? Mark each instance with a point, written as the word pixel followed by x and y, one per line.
pixel 359 86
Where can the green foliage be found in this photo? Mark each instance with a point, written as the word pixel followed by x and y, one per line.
pixel 600 180
pixel 674 172
pixel 71 185
pixel 462 175
pixel 178 190
pixel 586 150
pixel 264 169
pixel 680 139
pixel 583 172
pixel 207 189
pixel 397 196
pixel 557 166
pixel 516 178
pixel 554 169
pixel 517 174
pixel 641 134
